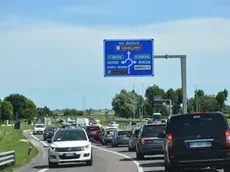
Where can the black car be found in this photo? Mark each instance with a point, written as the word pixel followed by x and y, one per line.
pixel 49 132
pixel 197 140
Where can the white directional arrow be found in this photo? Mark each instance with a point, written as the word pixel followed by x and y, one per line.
pixel 134 62
pixel 123 62
pixel 128 54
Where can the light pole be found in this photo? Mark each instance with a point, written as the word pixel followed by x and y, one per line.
pixel 142 88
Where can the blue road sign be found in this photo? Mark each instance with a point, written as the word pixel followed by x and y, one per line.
pixel 128 58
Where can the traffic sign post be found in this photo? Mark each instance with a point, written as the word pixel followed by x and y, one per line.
pixel 128 58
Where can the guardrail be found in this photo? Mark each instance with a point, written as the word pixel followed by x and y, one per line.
pixel 7 158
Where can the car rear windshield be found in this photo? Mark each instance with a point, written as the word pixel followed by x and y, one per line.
pixel 92 128
pixel 74 135
pixel 124 133
pixel 50 129
pixel 39 126
pixel 153 130
pixel 207 125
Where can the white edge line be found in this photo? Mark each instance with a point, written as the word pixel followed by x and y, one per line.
pixel 43 170
pixel 46 169
pixel 139 168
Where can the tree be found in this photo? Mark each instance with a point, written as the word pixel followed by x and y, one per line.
pixel 0 108
pixel 125 104
pixel 6 110
pixel 149 94
pixel 20 104
pixel 221 97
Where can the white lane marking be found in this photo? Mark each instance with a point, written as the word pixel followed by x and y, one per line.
pixel 44 143
pixel 43 170
pixel 35 137
pixel 139 168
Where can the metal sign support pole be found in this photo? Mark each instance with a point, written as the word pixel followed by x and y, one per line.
pixel 183 76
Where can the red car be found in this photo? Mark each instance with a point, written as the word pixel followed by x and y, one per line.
pixel 93 131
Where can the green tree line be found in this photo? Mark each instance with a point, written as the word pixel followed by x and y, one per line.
pixel 129 104
pixel 18 105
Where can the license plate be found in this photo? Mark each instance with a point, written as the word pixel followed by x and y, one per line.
pixel 93 132
pixel 69 154
pixel 200 144
pixel 157 141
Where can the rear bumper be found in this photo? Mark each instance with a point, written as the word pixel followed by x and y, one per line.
pixel 151 150
pixel 217 163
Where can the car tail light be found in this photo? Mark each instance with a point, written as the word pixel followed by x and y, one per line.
pixel 143 141
pixel 227 134
pixel 169 141
pixel 156 125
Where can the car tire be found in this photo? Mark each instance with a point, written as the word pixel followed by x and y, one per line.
pixel 227 169
pixel 90 162
pixel 105 143
pixel 140 156
pixel 169 168
pixel 53 164
pixel 130 149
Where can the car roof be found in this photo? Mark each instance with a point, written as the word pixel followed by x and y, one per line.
pixel 195 113
pixel 71 129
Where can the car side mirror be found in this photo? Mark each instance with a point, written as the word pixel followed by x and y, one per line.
pixel 161 135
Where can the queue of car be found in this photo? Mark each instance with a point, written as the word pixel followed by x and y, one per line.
pixel 188 141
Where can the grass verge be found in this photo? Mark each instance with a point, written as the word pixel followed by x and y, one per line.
pixel 11 139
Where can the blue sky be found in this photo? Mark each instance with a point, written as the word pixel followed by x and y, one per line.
pixel 51 51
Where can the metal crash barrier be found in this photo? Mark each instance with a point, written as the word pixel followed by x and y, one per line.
pixel 7 158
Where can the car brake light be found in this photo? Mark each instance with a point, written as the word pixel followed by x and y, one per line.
pixel 227 134
pixel 169 141
pixel 156 125
pixel 196 113
pixel 143 141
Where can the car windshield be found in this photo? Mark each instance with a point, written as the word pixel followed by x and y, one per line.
pixel 192 125
pixel 110 132
pixel 124 133
pixel 156 118
pixel 153 130
pixel 75 135
pixel 39 126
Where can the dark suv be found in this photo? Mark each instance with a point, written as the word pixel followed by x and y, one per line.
pixel 197 140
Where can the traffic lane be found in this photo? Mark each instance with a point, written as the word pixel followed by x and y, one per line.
pixel 149 164
pixel 39 160
pixel 102 162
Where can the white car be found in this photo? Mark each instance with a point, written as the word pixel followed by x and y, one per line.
pixel 70 145
pixel 39 128
pixel 113 124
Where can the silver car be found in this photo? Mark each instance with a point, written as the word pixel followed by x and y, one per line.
pixel 108 136
pixel 148 143
pixel 133 139
pixel 121 137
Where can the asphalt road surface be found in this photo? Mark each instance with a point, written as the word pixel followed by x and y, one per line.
pixel 106 159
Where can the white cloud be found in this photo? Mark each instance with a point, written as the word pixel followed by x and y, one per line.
pixel 56 55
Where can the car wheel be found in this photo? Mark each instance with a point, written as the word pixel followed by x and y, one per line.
pixel 170 168
pixel 139 156
pixel 227 169
pixel 130 149
pixel 90 162
pixel 105 143
pixel 53 164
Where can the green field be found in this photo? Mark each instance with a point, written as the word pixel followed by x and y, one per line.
pixel 11 139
